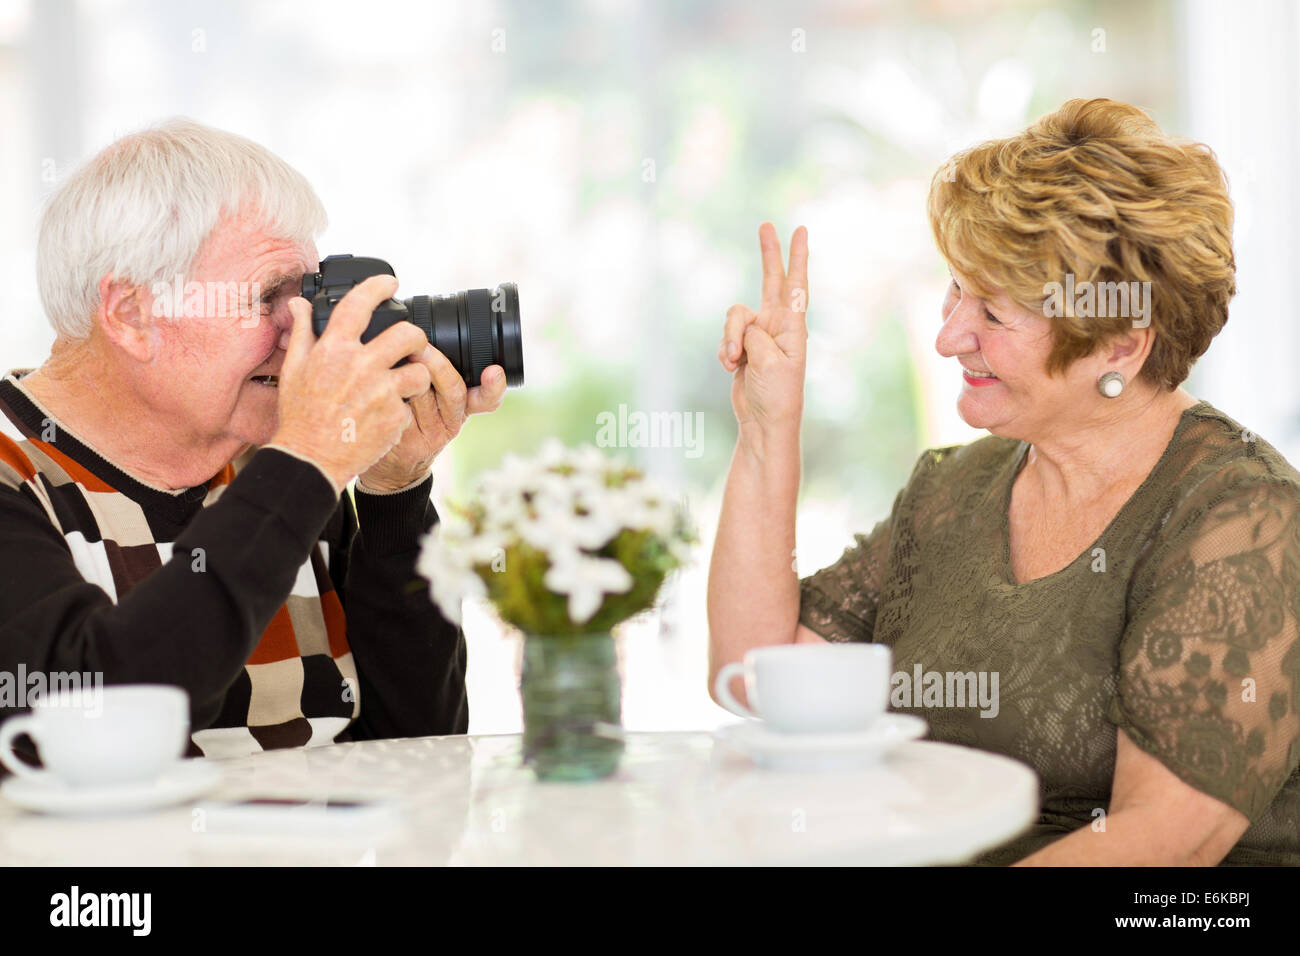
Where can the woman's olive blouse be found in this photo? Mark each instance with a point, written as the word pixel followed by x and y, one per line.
pixel 1178 624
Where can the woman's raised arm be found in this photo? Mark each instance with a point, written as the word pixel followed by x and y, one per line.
pixel 753 588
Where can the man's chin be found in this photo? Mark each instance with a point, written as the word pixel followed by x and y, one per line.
pixel 259 431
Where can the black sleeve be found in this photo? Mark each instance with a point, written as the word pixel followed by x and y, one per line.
pixel 191 628
pixel 410 659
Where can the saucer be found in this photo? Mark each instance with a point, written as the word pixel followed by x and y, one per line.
pixel 838 751
pixel 182 781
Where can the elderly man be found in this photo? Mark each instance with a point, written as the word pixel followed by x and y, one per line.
pixel 132 546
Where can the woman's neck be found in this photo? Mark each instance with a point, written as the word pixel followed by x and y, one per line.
pixel 1107 456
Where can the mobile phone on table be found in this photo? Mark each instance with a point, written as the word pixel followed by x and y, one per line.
pixel 300 816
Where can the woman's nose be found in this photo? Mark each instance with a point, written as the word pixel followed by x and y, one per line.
pixel 957 334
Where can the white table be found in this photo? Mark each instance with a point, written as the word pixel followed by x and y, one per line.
pixel 677 799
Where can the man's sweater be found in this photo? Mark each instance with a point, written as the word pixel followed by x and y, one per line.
pixel 289 617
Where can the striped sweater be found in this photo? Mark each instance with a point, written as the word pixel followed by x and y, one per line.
pixel 291 616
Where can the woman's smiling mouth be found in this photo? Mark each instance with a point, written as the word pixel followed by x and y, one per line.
pixel 978 378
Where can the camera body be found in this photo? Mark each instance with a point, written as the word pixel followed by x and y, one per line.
pixel 474 328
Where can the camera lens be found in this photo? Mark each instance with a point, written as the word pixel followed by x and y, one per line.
pixel 474 329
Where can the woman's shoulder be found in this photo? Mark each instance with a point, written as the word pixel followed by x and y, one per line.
pixel 954 479
pixel 1213 457
pixel 979 458
pixel 1219 490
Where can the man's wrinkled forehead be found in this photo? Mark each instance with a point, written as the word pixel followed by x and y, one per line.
pixel 242 248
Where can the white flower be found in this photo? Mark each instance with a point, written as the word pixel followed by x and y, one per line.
pixel 595 530
pixel 516 472
pixel 586 580
pixel 571 510
pixel 452 526
pixel 552 492
pixel 502 508
pixel 591 460
pixel 484 548
pixel 451 580
pixel 555 532
pixel 587 488
pixel 560 503
pixel 642 506
pixel 552 453
pixel 542 532
pixel 646 513
pixel 592 531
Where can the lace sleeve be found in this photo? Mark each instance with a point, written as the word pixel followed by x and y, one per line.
pixel 840 601
pixel 1209 666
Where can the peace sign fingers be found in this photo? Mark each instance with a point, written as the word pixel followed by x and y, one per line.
pixel 797 277
pixel 773 271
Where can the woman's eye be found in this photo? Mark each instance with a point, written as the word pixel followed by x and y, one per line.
pixel 992 318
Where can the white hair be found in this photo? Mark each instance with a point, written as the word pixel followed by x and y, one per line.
pixel 142 208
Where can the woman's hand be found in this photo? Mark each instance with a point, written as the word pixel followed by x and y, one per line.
pixel 766 350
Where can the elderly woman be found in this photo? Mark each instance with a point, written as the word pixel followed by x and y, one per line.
pixel 131 547
pixel 1125 557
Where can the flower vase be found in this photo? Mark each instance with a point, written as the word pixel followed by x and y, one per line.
pixel 572 702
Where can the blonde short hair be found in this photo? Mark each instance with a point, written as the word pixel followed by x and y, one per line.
pixel 1097 190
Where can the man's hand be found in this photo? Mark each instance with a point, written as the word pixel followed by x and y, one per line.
pixel 341 402
pixel 437 417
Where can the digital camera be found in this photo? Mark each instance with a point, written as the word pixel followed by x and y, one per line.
pixel 474 329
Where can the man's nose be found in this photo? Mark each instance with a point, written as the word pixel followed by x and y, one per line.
pixel 283 319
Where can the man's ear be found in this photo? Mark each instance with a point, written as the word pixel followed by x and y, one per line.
pixel 126 318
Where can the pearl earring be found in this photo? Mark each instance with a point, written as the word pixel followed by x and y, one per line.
pixel 1111 384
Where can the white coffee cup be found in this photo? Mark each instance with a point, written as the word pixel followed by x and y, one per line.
pixel 811 688
pixel 102 736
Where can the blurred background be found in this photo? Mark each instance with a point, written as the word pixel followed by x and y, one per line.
pixel 615 157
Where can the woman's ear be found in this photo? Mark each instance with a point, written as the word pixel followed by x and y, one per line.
pixel 1130 349
pixel 126 318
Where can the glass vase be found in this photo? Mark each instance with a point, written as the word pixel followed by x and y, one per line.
pixel 572 701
